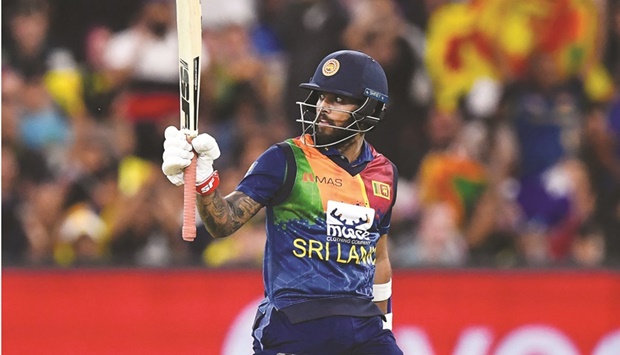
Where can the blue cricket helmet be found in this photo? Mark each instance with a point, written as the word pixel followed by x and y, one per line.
pixel 350 73
pixel 353 74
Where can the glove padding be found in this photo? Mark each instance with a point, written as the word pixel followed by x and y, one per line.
pixel 178 154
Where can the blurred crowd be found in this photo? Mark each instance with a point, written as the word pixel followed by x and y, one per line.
pixel 503 121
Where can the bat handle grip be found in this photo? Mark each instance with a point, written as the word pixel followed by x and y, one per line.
pixel 189 202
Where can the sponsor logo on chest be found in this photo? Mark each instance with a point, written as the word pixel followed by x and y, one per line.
pixel 349 222
pixel 310 177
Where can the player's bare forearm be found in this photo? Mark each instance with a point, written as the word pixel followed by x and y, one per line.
pixel 223 216
pixel 383 269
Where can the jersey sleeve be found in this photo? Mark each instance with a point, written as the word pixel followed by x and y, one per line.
pixel 265 176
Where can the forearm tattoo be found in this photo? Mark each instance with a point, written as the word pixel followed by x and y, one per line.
pixel 224 215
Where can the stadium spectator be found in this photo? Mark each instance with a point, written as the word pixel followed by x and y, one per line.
pixel 98 91
pixel 378 28
pixel 30 46
pixel 547 112
pixel 234 86
pixel 141 235
pixel 41 125
pixel 602 156
pixel 80 238
pixel 41 214
pixel 307 32
pixel 141 62
pixel 15 242
pixel 92 190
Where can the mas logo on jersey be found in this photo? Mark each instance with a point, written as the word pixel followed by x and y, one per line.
pixel 381 189
pixel 347 222
pixel 310 177
pixel 331 67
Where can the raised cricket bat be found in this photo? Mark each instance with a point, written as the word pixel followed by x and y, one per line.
pixel 189 29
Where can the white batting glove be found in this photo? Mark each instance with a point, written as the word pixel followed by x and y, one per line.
pixel 178 154
pixel 207 149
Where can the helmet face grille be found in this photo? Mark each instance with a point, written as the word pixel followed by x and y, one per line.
pixel 309 119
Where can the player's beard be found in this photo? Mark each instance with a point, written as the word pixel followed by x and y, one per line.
pixel 329 135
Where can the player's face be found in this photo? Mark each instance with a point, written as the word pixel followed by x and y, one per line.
pixel 333 110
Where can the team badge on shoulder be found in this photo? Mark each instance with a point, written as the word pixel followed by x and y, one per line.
pixel 381 189
pixel 331 67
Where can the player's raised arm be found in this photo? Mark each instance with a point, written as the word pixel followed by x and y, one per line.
pixel 222 215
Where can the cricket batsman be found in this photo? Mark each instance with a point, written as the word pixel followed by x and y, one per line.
pixel 328 196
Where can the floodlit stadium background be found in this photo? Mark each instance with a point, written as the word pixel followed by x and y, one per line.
pixel 504 123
